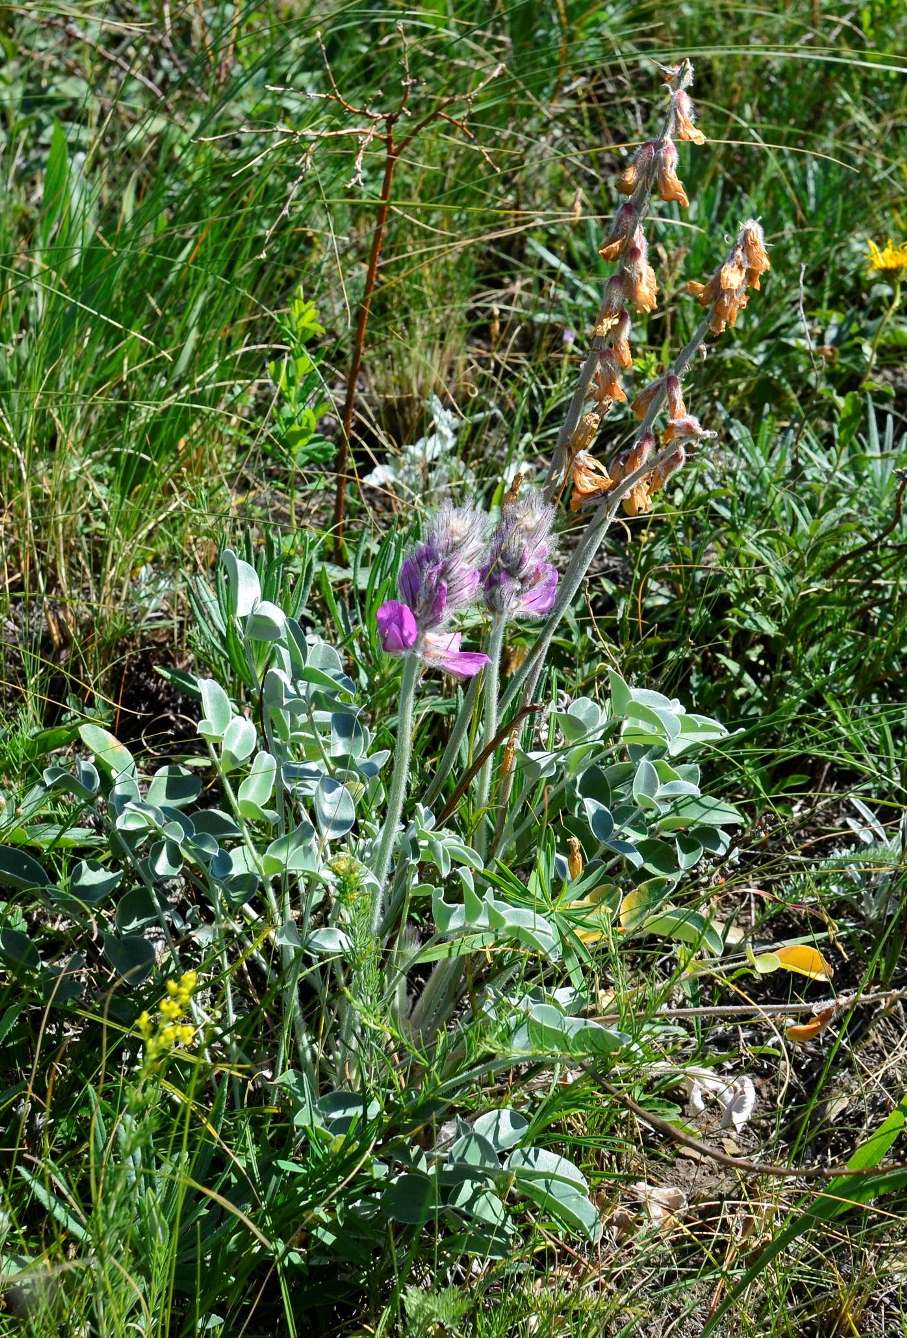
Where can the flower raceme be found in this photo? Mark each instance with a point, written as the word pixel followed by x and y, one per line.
pixel 453 564
pixel 438 579
pixel 517 577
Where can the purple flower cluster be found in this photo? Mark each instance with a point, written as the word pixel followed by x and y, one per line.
pixel 438 579
pixel 443 574
pixel 517 577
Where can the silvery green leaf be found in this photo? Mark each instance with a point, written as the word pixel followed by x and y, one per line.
pixel 131 956
pixel 338 1112
pixel 701 811
pixel 688 926
pixel 265 622
pixel 256 789
pixel 18 949
pixel 165 859
pixel 217 709
pixel 84 783
pixel 92 882
pixel 540 1164
pixel 621 697
pixel 301 777
pixel 138 816
pixel 645 786
pixel 329 940
pixel 599 818
pixel 334 809
pixel 347 735
pixel 136 910
pixel 287 936
pixel 114 760
pixel 537 765
pixel 474 1149
pixel 126 791
pixel 19 870
pixel 503 1128
pixel 214 822
pixel 293 853
pixel 175 786
pixel 239 742
pixel 410 1199
pixel 243 585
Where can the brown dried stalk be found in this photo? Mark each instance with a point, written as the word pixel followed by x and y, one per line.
pixel 383 126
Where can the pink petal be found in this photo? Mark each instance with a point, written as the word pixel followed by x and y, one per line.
pixel 443 652
pixel 539 599
pixel 396 627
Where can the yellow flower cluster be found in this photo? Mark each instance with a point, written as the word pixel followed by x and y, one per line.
pixel 887 257
pixel 168 1031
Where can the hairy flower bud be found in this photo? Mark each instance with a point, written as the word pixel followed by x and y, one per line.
pixel 643 401
pixel 634 172
pixel 639 276
pixel 661 473
pixel 620 341
pixel 674 396
pixel 670 187
pixel 517 577
pixel 684 117
pixel 624 225
pixel 607 385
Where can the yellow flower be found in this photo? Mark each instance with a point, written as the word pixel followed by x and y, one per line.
pixel 887 257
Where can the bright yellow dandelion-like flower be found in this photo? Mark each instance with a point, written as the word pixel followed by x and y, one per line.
pixel 889 257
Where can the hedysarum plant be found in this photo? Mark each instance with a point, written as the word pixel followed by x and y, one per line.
pixel 401 928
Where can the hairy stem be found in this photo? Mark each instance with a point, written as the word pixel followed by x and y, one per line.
pixel 457 735
pixel 399 781
pixel 490 721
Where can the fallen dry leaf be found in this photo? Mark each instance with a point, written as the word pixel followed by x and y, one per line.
pixel 804 961
pixel 802 1032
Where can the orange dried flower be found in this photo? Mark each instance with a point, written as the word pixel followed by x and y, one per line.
pixel 634 171
pixel 670 187
pixel 727 308
pixel 585 432
pixel 685 128
pixel 733 272
pixel 590 478
pixel 643 401
pixel 661 473
pixel 636 501
pixel 607 379
pixel 624 226
pixel 575 857
pixel 752 242
pixel 620 342
pixel 642 286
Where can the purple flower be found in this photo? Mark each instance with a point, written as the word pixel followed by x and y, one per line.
pixel 438 578
pixel 443 652
pixel 517 577
pixel 397 627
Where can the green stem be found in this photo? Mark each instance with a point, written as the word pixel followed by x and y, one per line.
pixel 399 781
pixel 457 735
pixel 492 679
